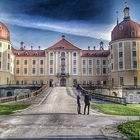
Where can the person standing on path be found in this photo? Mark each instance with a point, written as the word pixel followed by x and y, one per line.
pixel 78 104
pixel 87 103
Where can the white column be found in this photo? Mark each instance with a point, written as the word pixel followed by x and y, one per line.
pixel 69 62
pixel 56 62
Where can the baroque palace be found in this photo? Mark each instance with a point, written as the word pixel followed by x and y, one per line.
pixel 64 64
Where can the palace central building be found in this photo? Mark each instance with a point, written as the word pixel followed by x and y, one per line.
pixel 64 64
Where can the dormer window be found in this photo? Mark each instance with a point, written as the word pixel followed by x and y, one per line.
pixel 121 27
pixel 61 47
pixel 133 33
pixel 36 53
pixel 26 53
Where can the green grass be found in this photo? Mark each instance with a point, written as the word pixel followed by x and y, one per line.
pixel 131 129
pixel 11 108
pixel 117 109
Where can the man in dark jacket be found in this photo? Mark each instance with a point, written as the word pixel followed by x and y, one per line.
pixel 87 103
pixel 78 104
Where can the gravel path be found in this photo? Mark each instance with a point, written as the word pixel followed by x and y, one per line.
pixel 55 117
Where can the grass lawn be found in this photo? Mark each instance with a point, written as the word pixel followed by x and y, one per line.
pixel 11 108
pixel 131 129
pixel 117 109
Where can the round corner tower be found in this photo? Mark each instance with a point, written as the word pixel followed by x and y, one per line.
pixel 6 56
pixel 125 52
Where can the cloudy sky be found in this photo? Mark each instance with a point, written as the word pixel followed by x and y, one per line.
pixel 42 22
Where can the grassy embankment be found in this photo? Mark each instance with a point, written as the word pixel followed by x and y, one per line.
pixel 117 109
pixel 12 108
pixel 131 129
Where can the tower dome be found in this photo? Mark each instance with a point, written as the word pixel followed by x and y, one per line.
pixel 126 29
pixel 4 32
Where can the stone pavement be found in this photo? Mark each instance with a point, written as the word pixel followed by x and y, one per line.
pixel 55 117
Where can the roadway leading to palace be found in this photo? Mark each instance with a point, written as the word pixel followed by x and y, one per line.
pixel 56 118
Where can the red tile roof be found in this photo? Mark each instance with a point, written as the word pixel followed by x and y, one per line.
pixel 63 44
pixel 28 53
pixel 94 53
pixel 126 29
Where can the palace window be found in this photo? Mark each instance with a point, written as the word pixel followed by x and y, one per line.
pixel 51 70
pixel 63 54
pixel 120 65
pixel 74 62
pixel 135 80
pixel 104 62
pixel 84 62
pixel 25 82
pixel 17 62
pixel 134 54
pixel 25 62
pixel 51 54
pixel 25 70
pixel 134 44
pixel 90 62
pixel 0 64
pixel 8 66
pixel 0 54
pixel 90 71
pixel 17 82
pixel 41 71
pixel 120 54
pixel 74 54
pixel 98 70
pixel 112 81
pixel 104 70
pixel 84 70
pixel 9 47
pixel 0 44
pixel 51 62
pixel 17 71
pixel 98 62
pixel 120 46
pixel 8 56
pixel 74 70
pixel 111 56
pixel 33 70
pixel 134 64
pixel 34 62
pixel 41 62
pixel 121 81
pixel 112 67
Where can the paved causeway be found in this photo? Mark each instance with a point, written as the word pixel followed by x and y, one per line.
pixel 55 117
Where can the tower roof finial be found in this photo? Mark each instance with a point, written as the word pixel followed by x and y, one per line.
pixel 63 36
pixel 117 17
pixel 126 11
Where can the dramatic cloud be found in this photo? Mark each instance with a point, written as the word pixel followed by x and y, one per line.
pixel 86 18
pixel 84 10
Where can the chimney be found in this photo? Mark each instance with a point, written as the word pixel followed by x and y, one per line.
pixel 24 47
pixel 94 48
pixel 31 47
pixel 21 45
pixel 39 47
pixel 88 47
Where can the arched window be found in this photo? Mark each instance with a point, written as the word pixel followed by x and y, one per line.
pixel 62 54
pixel 74 54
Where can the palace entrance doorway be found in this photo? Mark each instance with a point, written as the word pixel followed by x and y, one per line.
pixel 62 82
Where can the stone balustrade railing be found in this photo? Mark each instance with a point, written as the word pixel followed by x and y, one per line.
pixel 23 96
